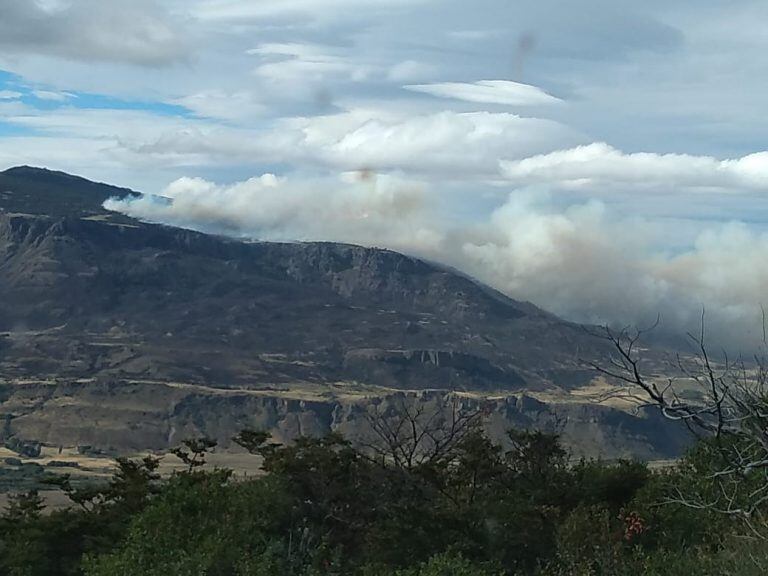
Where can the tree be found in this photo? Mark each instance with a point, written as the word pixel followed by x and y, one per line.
pixel 410 433
pixel 24 506
pixel 730 414
pixel 132 484
pixel 203 523
pixel 193 452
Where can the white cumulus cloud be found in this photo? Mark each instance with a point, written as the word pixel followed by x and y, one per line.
pixel 600 165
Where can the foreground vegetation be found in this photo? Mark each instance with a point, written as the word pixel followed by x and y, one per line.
pixel 325 507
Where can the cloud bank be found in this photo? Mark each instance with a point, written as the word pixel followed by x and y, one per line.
pixel 136 32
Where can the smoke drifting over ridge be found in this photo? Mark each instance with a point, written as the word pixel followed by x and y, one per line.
pixel 583 261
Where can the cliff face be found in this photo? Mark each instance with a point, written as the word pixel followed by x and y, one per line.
pixel 105 321
pixel 130 416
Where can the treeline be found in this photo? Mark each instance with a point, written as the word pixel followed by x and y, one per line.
pixel 325 507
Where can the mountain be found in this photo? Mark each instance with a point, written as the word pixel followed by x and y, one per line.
pixel 44 192
pixel 130 335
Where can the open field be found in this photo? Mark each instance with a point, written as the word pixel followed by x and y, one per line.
pixel 25 473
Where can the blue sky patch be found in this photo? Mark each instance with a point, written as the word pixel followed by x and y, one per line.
pixel 83 100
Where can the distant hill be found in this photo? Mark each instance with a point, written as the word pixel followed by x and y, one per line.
pixel 92 302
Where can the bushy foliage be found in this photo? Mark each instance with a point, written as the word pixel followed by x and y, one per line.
pixel 325 507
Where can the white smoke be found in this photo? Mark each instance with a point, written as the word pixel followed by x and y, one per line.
pixel 359 207
pixel 584 262
pixel 589 264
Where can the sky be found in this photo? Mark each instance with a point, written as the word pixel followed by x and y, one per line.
pixel 605 160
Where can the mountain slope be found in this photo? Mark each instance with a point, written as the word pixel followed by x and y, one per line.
pixel 90 296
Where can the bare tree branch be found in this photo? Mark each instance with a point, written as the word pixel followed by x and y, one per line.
pixel 730 408
pixel 411 432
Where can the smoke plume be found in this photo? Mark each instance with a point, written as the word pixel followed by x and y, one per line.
pixel 584 261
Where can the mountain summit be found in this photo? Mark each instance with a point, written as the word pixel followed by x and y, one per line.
pixel 43 192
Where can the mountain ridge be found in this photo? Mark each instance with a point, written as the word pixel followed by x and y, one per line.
pixel 91 296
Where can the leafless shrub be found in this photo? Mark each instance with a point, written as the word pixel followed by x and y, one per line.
pixel 409 432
